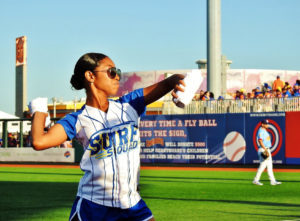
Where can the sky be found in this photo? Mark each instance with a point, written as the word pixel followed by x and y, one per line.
pixel 138 35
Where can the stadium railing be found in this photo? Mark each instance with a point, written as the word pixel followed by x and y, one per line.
pixel 234 106
pixel 5 130
pixel 19 131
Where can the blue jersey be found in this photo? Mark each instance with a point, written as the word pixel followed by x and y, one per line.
pixel 264 135
pixel 111 142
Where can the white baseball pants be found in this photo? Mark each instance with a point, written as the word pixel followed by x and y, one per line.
pixel 263 164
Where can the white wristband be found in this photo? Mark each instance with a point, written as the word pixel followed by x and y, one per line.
pixel 48 121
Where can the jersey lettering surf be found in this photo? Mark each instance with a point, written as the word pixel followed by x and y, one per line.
pixel 111 142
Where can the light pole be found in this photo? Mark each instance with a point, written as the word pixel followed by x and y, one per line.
pixel 214 46
pixel 75 102
pixel 54 99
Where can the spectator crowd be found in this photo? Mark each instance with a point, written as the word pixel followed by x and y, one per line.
pixel 279 89
pixel 14 141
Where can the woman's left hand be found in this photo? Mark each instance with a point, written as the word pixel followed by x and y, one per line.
pixel 178 87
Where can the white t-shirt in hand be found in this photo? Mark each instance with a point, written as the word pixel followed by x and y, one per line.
pixel 192 82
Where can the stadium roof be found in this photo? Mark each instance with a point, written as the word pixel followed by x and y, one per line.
pixel 4 115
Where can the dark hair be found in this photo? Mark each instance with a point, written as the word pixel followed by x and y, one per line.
pixel 87 62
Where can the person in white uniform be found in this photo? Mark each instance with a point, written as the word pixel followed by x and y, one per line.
pixel 264 140
pixel 108 131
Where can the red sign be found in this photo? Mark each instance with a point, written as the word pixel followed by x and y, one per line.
pixel 21 50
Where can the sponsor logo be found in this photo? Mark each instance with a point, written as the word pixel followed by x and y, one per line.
pixel 67 154
pixel 275 134
pixel 154 141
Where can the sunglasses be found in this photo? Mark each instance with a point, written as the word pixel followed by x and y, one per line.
pixel 112 72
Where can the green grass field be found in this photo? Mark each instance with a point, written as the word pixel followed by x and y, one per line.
pixel 48 194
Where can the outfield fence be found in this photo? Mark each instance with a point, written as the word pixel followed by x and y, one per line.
pixel 197 133
pixel 195 107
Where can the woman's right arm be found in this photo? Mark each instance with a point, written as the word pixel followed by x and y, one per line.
pixel 41 140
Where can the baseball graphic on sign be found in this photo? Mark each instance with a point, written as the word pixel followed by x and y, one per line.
pixel 234 146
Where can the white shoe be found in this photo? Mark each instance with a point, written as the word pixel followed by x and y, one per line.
pixel 257 183
pixel 275 183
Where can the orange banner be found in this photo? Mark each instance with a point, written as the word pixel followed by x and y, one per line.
pixel 155 141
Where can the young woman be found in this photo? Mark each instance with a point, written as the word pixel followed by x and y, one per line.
pixel 108 131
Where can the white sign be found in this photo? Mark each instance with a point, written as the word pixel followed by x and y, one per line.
pixel 65 155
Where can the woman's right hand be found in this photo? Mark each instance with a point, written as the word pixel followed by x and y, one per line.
pixel 56 135
pixel 40 104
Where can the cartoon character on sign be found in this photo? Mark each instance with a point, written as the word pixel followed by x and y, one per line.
pixel 20 50
pixel 275 133
pixel 234 146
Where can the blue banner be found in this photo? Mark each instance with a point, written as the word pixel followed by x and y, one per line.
pixel 208 138
pixel 276 129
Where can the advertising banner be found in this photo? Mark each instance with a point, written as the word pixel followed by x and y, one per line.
pixel 235 78
pixel 65 155
pixel 292 152
pixel 208 139
pixel 276 129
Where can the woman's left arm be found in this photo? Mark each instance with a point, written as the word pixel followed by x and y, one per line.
pixel 156 91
